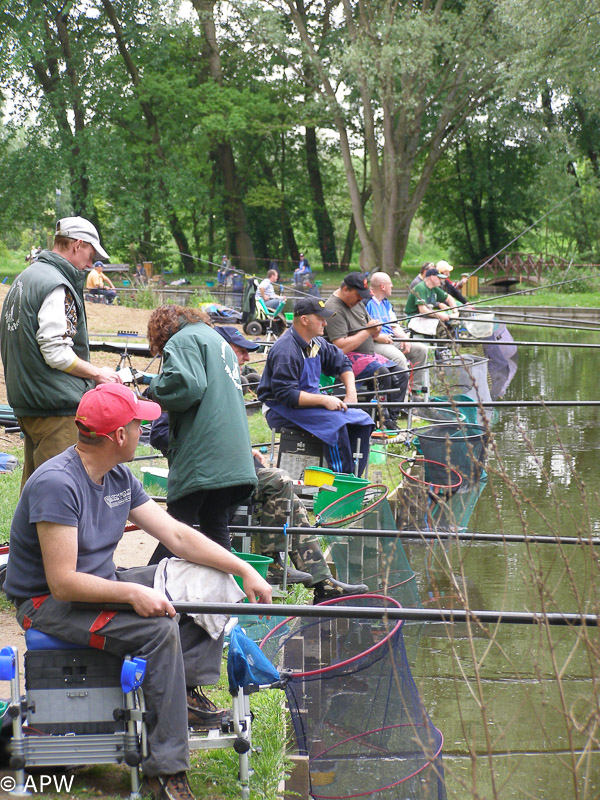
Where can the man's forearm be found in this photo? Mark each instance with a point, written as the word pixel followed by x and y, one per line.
pixel 348 344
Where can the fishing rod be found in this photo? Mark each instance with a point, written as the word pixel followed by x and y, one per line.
pixel 499 343
pixel 502 249
pixel 584 327
pixel 494 298
pixel 527 315
pixel 389 533
pixel 415 404
pixel 480 404
pixel 448 615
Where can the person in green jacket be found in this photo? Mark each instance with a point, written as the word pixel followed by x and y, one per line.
pixel 211 470
pixel 44 341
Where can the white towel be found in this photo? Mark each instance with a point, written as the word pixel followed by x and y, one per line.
pixel 184 582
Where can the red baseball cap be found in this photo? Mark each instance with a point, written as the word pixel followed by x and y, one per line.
pixel 110 406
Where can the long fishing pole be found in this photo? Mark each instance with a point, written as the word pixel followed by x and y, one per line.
pixel 496 297
pixel 449 615
pixel 389 533
pixel 485 404
pixel 468 403
pixel 547 317
pixel 499 343
pixel 502 249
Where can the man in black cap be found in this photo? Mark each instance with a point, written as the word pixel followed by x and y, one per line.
pixel 289 387
pixel 241 347
pixel 354 332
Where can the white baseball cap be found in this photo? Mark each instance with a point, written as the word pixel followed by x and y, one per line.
pixel 80 228
pixel 444 266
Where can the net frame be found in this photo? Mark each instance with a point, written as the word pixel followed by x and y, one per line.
pixel 336 522
pixel 390 645
pixel 424 481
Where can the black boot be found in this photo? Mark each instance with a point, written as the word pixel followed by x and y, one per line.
pixel 331 588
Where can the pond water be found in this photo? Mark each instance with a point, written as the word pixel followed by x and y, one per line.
pixel 518 705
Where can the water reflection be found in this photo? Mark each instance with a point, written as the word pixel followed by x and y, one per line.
pixel 518 705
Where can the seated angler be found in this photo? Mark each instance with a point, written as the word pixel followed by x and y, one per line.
pixel 63 537
pixel 428 301
pixel 354 332
pixel 97 283
pixel 289 387
pixel 393 342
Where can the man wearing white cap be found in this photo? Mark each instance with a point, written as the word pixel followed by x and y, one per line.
pixel 44 342
pixel 449 286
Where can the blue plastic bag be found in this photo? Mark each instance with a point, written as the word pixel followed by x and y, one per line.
pixel 246 663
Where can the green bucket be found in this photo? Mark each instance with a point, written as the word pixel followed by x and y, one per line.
pixel 377 454
pixel 343 485
pixel 289 316
pixel 260 564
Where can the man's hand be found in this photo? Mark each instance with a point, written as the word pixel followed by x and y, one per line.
pixel 256 588
pixel 351 396
pixel 107 375
pixel 404 347
pixel 147 602
pixel 259 456
pixel 332 403
pixel 385 338
pixel 375 331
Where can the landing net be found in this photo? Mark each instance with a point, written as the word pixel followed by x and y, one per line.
pixel 355 708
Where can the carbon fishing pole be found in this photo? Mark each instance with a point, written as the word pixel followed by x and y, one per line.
pixel 449 615
pixel 499 343
pixel 390 533
pixel 554 207
pixel 527 315
pixel 482 404
pixel 494 298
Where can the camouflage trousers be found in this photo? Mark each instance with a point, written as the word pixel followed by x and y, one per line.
pixel 274 491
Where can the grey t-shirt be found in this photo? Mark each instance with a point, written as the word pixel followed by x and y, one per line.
pixel 61 491
pixel 267 288
pixel 348 319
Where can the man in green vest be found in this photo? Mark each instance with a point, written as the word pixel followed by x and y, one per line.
pixel 44 342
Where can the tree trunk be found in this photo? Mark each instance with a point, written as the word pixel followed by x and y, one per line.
pixel 235 215
pixel 325 231
pixel 152 124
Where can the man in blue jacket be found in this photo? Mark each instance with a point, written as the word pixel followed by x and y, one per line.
pixel 290 388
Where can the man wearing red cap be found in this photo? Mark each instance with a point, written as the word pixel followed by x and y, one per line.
pixel 66 527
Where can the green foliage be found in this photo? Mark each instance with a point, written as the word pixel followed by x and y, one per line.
pixel 10 484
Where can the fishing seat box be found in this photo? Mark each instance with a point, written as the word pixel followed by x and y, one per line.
pixel 297 450
pixel 71 689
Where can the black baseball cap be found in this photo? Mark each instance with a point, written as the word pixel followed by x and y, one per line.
pixel 312 305
pixel 233 336
pixel 360 282
pixel 433 272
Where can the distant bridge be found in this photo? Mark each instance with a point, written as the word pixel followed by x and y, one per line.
pixel 520 267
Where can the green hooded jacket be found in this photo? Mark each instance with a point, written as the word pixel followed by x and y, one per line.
pixel 200 387
pixel 33 388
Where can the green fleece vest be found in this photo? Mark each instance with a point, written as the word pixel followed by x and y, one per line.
pixel 33 388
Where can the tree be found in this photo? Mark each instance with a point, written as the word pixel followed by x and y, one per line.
pixel 412 74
